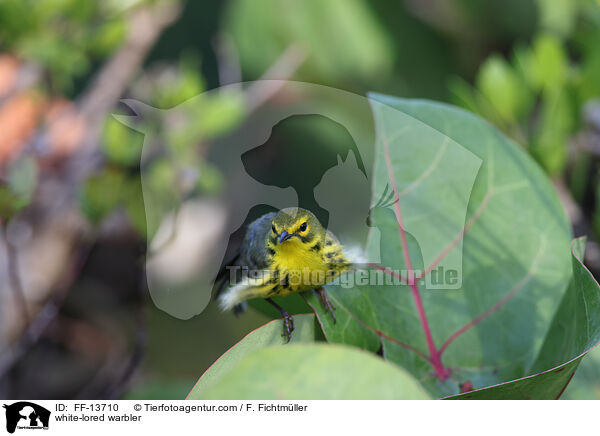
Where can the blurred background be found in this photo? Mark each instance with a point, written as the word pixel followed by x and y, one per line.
pixel 76 317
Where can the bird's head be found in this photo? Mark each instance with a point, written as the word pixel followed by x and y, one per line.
pixel 294 225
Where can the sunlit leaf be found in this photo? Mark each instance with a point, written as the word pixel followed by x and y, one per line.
pixel 313 371
pixel 268 335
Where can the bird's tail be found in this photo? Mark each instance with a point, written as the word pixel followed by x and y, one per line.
pixel 246 289
pixel 356 255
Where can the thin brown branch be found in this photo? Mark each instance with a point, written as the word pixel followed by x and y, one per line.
pixel 145 26
pixel 228 61
pixel 14 275
pixel 274 78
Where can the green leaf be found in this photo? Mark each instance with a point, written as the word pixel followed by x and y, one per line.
pixel 16 192
pixel 9 203
pixel 574 331
pixel 22 178
pixel 267 335
pixel 455 171
pixel 122 145
pixel 463 94
pixel 544 386
pixel 503 88
pixel 101 194
pixel 134 204
pixel 548 63
pixel 314 371
pixel 551 138
pixel 294 304
pixel 558 15
pixel 587 83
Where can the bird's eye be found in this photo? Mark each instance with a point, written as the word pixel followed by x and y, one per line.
pixel 302 227
pixel 273 228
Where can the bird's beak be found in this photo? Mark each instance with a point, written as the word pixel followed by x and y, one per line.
pixel 284 236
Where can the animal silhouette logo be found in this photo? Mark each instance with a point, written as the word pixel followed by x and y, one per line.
pixel 26 415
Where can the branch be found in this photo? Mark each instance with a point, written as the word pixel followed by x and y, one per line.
pixel 283 68
pixel 145 26
pixel 14 276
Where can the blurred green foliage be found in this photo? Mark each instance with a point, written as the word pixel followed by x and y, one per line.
pixel 64 37
pixel 537 93
pixel 19 188
pixel 344 39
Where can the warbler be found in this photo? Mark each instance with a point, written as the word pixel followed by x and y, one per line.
pixel 283 253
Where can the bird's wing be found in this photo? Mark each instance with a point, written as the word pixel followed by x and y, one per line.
pixel 251 253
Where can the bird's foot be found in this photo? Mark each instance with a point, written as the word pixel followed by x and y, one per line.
pixel 326 302
pixel 288 321
pixel 288 325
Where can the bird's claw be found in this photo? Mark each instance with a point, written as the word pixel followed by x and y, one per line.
pixel 326 302
pixel 288 325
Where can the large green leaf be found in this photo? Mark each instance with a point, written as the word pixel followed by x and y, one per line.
pixel 455 172
pixel 267 335
pixel 314 371
pixel 574 331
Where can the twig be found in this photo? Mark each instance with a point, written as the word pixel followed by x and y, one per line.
pixel 116 389
pixel 274 78
pixel 228 61
pixel 33 334
pixel 14 276
pixel 145 26
pixel 42 319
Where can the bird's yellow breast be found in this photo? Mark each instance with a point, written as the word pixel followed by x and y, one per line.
pixel 295 255
pixel 300 266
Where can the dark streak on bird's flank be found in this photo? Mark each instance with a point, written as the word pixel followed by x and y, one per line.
pixel 316 247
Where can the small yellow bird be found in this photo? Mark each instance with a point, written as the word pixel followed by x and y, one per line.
pixel 283 253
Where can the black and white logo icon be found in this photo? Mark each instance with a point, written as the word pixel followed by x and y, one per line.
pixel 26 415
